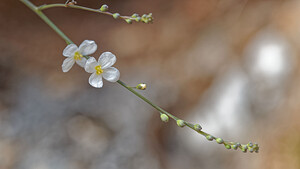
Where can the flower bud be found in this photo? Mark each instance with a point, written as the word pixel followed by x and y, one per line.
pixel 234 146
pixel 116 15
pixel 251 150
pixel 141 86
pixel 144 16
pixel 128 21
pixel 197 127
pixel 104 8
pixel 164 118
pixel 209 138
pixel 219 140
pixel 180 123
pixel 138 19
pixel 134 15
pixel 250 144
pixel 228 146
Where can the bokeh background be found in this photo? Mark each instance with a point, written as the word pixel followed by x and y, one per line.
pixel 230 65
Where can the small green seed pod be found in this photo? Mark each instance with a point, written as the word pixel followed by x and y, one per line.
pixel 209 138
pixel 228 146
pixel 141 86
pixel 197 127
pixel 104 8
pixel 116 15
pixel 219 140
pixel 180 123
pixel 164 118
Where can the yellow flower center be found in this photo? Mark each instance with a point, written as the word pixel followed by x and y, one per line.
pixel 98 70
pixel 77 56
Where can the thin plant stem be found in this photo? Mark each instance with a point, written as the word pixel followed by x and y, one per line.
pixel 47 6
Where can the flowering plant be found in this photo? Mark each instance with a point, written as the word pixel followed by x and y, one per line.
pixel 102 68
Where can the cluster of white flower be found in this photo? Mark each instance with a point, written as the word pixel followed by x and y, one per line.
pixel 99 69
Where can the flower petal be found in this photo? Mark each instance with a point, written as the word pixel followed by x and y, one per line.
pixel 70 50
pixel 87 47
pixel 90 65
pixel 107 59
pixel 81 62
pixel 111 74
pixel 96 80
pixel 67 64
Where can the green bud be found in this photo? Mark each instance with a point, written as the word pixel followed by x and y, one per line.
pixel 104 8
pixel 180 123
pixel 164 118
pixel 251 150
pixel 234 146
pixel 138 19
pixel 244 150
pixel 209 138
pixel 238 144
pixel 250 144
pixel 144 16
pixel 116 15
pixel 128 21
pixel 141 86
pixel 228 146
pixel 197 127
pixel 245 147
pixel 134 15
pixel 219 140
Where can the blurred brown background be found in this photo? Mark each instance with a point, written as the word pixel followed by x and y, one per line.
pixel 229 65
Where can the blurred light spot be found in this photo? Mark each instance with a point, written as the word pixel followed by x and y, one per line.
pixel 270 59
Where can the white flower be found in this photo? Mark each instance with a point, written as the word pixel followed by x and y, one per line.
pixel 102 68
pixel 75 54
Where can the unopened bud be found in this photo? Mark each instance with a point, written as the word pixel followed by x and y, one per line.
pixel 128 21
pixel 116 15
pixel 138 19
pixel 228 146
pixel 104 8
pixel 134 15
pixel 251 150
pixel 219 140
pixel 234 146
pixel 164 118
pixel 209 137
pixel 250 144
pixel 180 123
pixel 141 86
pixel 197 127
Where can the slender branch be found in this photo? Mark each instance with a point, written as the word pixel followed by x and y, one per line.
pixel 181 123
pixel 145 18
